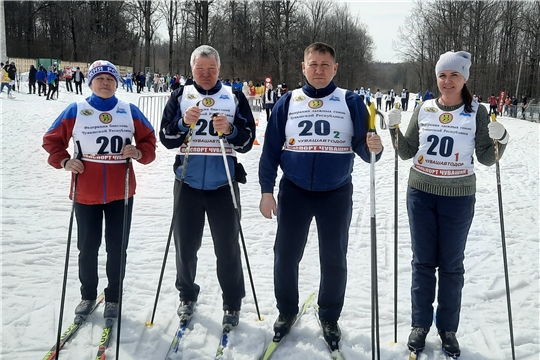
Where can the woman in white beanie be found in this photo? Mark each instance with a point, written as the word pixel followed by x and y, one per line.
pixel 102 126
pixel 442 137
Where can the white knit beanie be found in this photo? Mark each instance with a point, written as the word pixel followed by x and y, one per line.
pixel 457 61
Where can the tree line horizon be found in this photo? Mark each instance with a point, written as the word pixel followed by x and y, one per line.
pixel 256 39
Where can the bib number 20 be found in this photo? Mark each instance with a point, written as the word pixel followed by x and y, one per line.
pixel 444 145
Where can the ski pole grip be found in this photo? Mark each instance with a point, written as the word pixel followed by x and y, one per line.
pixel 493 117
pixel 79 153
pixel 372 112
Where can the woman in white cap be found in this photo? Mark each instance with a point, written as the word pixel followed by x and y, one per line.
pixel 442 137
pixel 102 126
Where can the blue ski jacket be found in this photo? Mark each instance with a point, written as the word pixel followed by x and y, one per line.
pixel 206 172
pixel 311 171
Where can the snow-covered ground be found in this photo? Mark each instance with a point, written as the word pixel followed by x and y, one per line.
pixel 35 218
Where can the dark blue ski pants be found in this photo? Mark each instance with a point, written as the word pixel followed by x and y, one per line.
pixel 439 228
pixel 296 209
pixel 89 233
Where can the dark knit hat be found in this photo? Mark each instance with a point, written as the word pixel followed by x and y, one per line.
pixel 102 67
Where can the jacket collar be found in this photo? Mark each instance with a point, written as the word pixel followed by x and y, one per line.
pixel 212 91
pixel 319 93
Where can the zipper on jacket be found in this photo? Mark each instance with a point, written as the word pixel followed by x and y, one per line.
pixel 312 172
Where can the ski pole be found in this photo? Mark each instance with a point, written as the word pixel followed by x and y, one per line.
pixel 375 339
pixel 235 203
pixel 396 143
pixel 503 237
pixel 66 263
pixel 123 250
pixel 171 228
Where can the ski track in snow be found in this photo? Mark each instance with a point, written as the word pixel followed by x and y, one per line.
pixel 35 219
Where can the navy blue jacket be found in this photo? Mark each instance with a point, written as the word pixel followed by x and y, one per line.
pixel 206 172
pixel 311 171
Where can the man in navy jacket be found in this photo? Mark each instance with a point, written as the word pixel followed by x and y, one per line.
pixel 212 109
pixel 314 133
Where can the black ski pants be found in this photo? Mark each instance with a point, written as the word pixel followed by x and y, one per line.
pixel 296 209
pixel 78 87
pixel 89 232
pixel 193 205
pixel 69 86
pixel 42 88
pixel 52 90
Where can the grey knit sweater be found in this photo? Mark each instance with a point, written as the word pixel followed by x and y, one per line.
pixel 462 186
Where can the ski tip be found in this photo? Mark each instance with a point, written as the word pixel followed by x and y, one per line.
pixel 149 324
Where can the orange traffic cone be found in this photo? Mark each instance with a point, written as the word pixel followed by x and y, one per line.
pixel 256 121
pixel 256 142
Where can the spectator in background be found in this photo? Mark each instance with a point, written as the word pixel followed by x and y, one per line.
pixel 237 84
pixel 514 106
pixel 407 95
pixel 507 104
pixel 129 82
pixel 362 93
pixel 5 80
pixel 68 75
pixel 369 95
pixel 389 100
pixel 41 79
pixel 418 100
pixel 279 91
pixel 32 79
pixel 269 99
pixel 404 99
pixel 428 95
pixel 259 91
pixel 523 106
pixel 52 78
pixel 141 81
pixel 189 80
pixel 492 104
pixel 78 79
pixel 12 72
pixel 378 98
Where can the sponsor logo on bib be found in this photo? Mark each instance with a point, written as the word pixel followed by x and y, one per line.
pixel 87 112
pixel 105 118
pixel 315 104
pixel 446 118
pixel 208 102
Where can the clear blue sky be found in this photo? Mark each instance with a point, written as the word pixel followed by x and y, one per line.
pixel 383 18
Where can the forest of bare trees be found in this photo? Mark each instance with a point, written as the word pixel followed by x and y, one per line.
pixel 503 38
pixel 266 38
pixel 254 38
